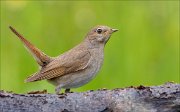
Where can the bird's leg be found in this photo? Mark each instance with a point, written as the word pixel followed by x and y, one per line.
pixel 58 88
pixel 67 90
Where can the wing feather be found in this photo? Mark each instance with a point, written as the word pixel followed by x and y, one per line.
pixel 66 63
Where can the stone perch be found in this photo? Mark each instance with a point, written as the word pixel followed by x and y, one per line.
pixel 163 98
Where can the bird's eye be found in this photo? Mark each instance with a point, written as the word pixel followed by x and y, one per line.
pixel 99 30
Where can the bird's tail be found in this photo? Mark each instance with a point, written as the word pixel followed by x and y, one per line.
pixel 41 58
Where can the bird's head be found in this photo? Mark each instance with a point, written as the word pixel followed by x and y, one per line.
pixel 100 34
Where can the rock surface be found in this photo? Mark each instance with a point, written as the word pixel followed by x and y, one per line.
pixel 164 98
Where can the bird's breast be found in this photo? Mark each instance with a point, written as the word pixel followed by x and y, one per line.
pixel 96 61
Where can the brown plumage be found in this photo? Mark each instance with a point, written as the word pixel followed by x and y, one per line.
pixel 75 67
pixel 41 58
pixel 61 66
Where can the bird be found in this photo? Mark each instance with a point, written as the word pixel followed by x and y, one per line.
pixel 75 67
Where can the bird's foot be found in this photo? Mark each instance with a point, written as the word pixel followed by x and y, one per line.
pixel 58 89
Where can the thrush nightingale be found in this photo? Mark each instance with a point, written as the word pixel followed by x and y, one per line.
pixel 75 67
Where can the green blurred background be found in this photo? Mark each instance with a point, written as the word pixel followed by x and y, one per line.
pixel 145 50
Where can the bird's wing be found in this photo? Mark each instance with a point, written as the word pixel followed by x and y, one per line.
pixel 41 58
pixel 67 63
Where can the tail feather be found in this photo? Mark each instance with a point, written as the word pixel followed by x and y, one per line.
pixel 31 78
pixel 41 58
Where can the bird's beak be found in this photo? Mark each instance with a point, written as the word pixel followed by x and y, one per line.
pixel 114 30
